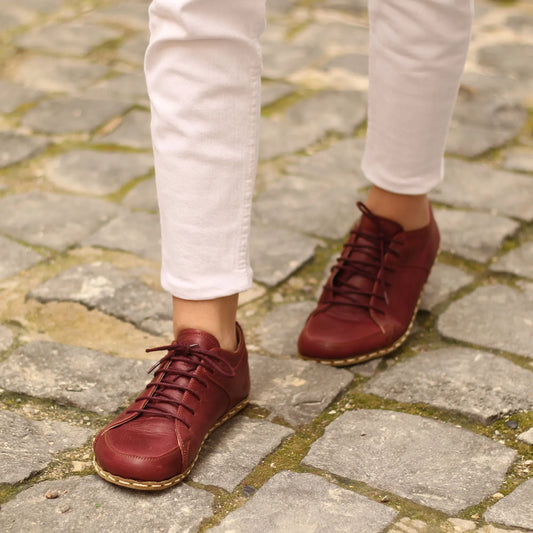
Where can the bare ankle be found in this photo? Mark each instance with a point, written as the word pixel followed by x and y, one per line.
pixel 411 211
pixel 216 316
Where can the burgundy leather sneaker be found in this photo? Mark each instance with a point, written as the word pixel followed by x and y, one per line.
pixel 369 303
pixel 155 442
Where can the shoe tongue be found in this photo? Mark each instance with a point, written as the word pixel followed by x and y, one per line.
pixel 204 340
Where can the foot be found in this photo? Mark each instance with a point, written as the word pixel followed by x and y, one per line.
pixel 370 300
pixel 196 387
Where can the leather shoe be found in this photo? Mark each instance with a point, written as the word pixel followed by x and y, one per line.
pixel 369 303
pixel 196 387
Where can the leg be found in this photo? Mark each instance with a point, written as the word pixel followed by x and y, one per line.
pixel 203 70
pixel 417 53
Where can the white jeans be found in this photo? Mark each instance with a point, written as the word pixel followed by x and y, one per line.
pixel 203 68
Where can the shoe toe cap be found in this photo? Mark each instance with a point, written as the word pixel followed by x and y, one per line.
pixel 145 457
pixel 326 338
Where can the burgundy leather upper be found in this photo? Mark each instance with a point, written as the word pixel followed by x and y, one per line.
pixel 370 297
pixel 159 435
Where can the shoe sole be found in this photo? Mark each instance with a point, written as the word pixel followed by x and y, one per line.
pixel 161 485
pixel 379 353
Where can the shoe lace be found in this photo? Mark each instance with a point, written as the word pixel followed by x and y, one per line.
pixel 369 250
pixel 192 357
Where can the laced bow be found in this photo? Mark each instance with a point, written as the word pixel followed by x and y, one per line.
pixel 363 256
pixel 182 361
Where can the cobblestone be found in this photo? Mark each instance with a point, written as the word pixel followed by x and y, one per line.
pixel 294 390
pixel 27 446
pixel 515 509
pixel 6 338
pixel 112 291
pixel 69 114
pixel 58 74
pixel 70 38
pixel 87 504
pixel 518 261
pixel 53 220
pixel 15 257
pixel 280 329
pixel 234 450
pixel 473 235
pixel 527 436
pixel 16 148
pixel 13 95
pixel 96 172
pixel 133 131
pixel 285 503
pixel 498 326
pixel 474 383
pixel 71 374
pixel 378 448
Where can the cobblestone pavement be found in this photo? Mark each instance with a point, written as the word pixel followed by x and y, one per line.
pixel 437 437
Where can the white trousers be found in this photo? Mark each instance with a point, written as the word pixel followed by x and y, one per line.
pixel 203 68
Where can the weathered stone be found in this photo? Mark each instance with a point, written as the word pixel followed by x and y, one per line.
pixel 90 504
pixel 38 6
pixel 336 35
pixel 273 91
pixel 112 291
pixel 443 281
pixel 276 253
pixel 298 391
pixel 143 196
pixel 137 233
pixel 133 131
pixel 509 59
pixel 293 202
pixel 309 120
pixel 515 509
pixel 306 502
pixel 519 159
pixel 483 118
pixel 281 59
pixel 409 525
pixel 339 163
pixel 16 148
pixel 354 63
pixel 57 74
pixel 96 172
pixel 367 369
pixel 518 261
pixel 527 436
pixel 86 378
pixel 70 38
pixel 278 333
pixel 6 338
pixel 356 6
pixel 28 446
pixel 129 87
pixel 15 257
pixel 53 220
pixel 496 316
pixel 461 526
pixel 483 187
pixel 473 235
pixel 133 49
pixel 473 383
pixel 13 95
pixel 396 452
pixel 235 449
pixel 133 15
pixel 72 114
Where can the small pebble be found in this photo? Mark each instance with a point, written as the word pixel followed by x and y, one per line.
pixel 385 499
pixel 52 495
pixel 248 491
pixel 513 424
pixel 497 496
